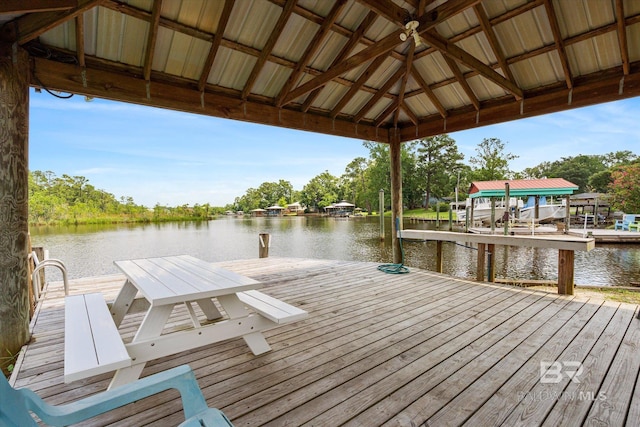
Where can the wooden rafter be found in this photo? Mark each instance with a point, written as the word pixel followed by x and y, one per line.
pixel 427 90
pixel 151 39
pixel 403 82
pixel 493 41
pixel 215 44
pixel 557 35
pixel 312 48
pixel 355 87
pixel 31 6
pixel 80 39
pixel 372 52
pixel 346 50
pixel 389 10
pixel 412 116
pixel 393 107
pixel 463 57
pixel 268 47
pixel 33 25
pixel 622 37
pixel 460 78
pixel 376 97
pixel 436 16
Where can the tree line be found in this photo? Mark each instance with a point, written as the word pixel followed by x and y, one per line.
pixel 433 169
pixel 72 200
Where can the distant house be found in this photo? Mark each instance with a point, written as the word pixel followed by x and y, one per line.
pixel 343 208
pixel 258 212
pixel 295 208
pixel 275 210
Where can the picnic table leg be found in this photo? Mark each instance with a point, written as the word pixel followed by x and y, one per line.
pixel 235 308
pixel 123 301
pixel 209 308
pixel 151 327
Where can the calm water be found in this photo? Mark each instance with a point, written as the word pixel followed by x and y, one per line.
pixel 91 250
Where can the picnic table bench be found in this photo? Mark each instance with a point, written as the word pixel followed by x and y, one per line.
pixel 93 344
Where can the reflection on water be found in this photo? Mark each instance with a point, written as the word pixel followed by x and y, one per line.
pixel 91 250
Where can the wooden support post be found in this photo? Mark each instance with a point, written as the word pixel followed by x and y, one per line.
pixel 263 245
pixel 565 272
pixel 480 263
pixel 439 256
pixel 14 178
pixel 395 148
pixel 491 257
pixel 567 217
pixel 507 215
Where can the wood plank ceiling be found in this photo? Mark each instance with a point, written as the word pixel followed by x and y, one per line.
pixel 366 69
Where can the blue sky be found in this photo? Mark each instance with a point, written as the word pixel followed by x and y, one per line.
pixel 173 158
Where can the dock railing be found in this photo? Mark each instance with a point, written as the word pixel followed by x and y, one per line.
pixel 565 244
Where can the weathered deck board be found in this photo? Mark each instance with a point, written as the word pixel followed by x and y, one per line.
pixel 380 349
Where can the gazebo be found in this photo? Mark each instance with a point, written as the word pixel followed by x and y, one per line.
pixel 389 72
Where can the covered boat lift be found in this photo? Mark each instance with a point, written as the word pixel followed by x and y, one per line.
pixel 506 189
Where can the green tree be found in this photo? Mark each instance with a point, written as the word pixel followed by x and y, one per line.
pixel 491 162
pixel 439 159
pixel 321 191
pixel 625 188
pixel 353 182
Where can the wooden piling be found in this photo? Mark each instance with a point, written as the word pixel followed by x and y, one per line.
pixel 263 245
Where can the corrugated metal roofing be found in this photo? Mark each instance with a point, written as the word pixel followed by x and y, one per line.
pixel 558 55
pixel 522 187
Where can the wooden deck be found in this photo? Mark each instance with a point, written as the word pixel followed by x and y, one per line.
pixel 381 349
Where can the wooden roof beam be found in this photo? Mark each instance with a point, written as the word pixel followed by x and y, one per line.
pixel 427 90
pixel 376 97
pixel 31 6
pixel 589 90
pixel 80 39
pixel 463 82
pixel 622 37
pixel 33 25
pixel 215 44
pixel 372 52
pixel 465 58
pixel 268 46
pixel 493 41
pixel 403 82
pixel 312 48
pixel 389 10
pixel 436 16
pixel 355 87
pixel 124 87
pixel 346 50
pixel 151 39
pixel 393 107
pixel 557 36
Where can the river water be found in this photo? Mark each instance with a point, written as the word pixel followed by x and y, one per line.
pixel 91 250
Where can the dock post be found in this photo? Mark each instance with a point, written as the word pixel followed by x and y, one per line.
pixel 480 263
pixel 491 271
pixel 565 271
pixel 381 211
pixel 439 256
pixel 263 245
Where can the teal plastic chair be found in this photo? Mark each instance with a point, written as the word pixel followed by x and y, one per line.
pixel 15 404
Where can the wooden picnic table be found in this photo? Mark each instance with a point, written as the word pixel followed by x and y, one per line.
pixel 163 283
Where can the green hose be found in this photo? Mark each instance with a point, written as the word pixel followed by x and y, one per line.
pixel 396 268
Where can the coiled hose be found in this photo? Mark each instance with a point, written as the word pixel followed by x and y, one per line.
pixel 396 268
